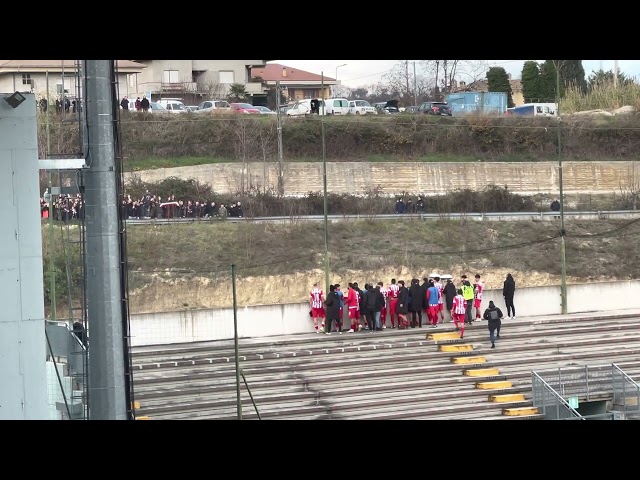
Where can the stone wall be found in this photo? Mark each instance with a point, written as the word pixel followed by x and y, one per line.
pixel 428 178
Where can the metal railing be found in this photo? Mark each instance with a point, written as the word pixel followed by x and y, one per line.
pixel 626 392
pixel 549 402
pixel 583 382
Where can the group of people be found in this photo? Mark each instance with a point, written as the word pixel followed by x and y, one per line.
pixel 140 104
pixel 154 206
pixel 369 308
pixel 64 208
pixel 409 206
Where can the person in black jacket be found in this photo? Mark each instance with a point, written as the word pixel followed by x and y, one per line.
pixel 449 293
pixel 403 305
pixel 508 291
pixel 379 305
pixel 494 316
pixel 332 310
pixel 369 307
pixel 417 302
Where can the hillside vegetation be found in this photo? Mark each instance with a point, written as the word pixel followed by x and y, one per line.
pixel 180 266
pixel 151 140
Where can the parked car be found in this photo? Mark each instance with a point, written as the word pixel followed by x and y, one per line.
pixel 336 106
pixel 305 107
pixel 155 107
pixel 411 109
pixel 361 107
pixel 244 108
pixel 435 108
pixel 192 108
pixel 388 107
pixel 211 105
pixel 173 105
pixel 266 110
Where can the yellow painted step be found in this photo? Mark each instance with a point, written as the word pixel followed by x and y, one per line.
pixel 510 397
pixel 494 385
pixel 443 336
pixel 482 372
pixel 143 418
pixel 515 412
pixel 468 359
pixel 136 405
pixel 455 348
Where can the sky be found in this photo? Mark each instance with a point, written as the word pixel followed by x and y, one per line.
pixel 361 73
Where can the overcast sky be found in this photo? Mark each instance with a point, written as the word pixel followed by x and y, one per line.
pixel 358 73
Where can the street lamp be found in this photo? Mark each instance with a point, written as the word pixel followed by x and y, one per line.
pixel 343 65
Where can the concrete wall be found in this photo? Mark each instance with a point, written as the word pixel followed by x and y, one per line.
pixel 282 319
pixel 23 383
pixel 429 178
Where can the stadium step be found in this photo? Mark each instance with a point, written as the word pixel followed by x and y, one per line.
pixel 509 397
pixel 469 360
pixel 481 372
pixel 520 411
pixel 443 336
pixel 499 385
pixel 455 348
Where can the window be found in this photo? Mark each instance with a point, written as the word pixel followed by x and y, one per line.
pixel 226 78
pixel 26 79
pixel 170 76
pixel 223 105
pixel 132 80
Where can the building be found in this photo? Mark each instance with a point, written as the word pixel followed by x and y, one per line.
pixel 483 86
pixel 195 80
pixel 297 84
pixel 33 76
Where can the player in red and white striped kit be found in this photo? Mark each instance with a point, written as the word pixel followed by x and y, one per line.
pixel 316 302
pixel 393 302
pixel 352 302
pixel 477 296
pixel 438 284
pixel 459 311
pixel 383 313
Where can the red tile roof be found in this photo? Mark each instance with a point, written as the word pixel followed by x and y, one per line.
pixel 273 71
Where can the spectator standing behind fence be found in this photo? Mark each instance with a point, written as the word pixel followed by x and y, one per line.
pixel 555 207
pixel 125 103
pixel 144 104
pixel 222 212
pixel 400 206
pixel 508 292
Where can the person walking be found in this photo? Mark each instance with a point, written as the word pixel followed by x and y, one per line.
pixel 417 301
pixel 467 293
pixel 508 291
pixel 459 311
pixel 449 294
pixel 432 296
pixel 494 315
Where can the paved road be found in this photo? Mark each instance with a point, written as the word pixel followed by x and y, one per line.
pixel 497 216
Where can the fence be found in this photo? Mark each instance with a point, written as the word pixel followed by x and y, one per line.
pixel 549 402
pixel 626 392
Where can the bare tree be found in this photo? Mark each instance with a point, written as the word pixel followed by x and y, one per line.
pixel 266 133
pixel 208 84
pixel 243 145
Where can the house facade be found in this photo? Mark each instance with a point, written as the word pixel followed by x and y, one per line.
pixel 55 76
pixel 195 80
pixel 296 84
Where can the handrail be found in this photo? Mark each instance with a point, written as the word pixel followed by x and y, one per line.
pixel 627 381
pixel 250 396
pixel 561 402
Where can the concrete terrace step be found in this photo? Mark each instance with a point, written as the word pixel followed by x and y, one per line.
pixel 261 342
pixel 351 341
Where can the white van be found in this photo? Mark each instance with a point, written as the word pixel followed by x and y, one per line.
pixel 303 107
pixel 337 106
pixel 173 105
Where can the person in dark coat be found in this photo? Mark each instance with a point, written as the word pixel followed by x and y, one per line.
pixel 379 305
pixel 508 291
pixel 417 303
pixel 403 305
pixel 494 316
pixel 332 310
pixel 368 307
pixel 449 293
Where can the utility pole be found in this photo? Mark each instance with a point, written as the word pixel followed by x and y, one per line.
pixel 615 74
pixel 406 71
pixel 235 342
pixel 280 153
pixel 326 205
pixel 563 248
pixel 415 85
pixel 107 388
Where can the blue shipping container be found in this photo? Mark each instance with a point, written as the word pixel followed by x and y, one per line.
pixel 494 103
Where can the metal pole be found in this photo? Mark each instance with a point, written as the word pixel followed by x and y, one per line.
pixel 52 254
pixel 563 248
pixel 415 85
pixel 47 118
pixel 280 152
pixel 107 388
pixel 326 205
pixel 235 341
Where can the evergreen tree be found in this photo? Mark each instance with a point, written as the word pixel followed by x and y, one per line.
pixel 601 78
pixel 498 81
pixel 548 82
pixel 572 73
pixel 530 79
